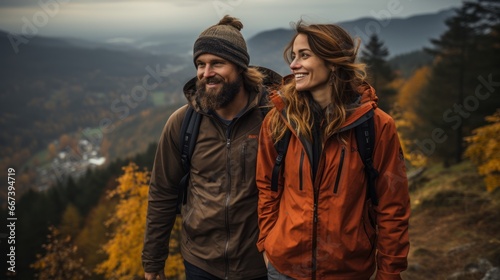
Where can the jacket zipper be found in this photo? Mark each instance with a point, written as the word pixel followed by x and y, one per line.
pixel 301 170
pixel 228 195
pixel 339 171
pixel 315 223
pixel 315 232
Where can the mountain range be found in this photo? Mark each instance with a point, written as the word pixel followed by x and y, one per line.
pixel 399 35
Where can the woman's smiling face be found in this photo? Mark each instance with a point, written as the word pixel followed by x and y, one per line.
pixel 310 71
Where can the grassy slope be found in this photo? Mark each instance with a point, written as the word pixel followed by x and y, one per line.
pixel 454 223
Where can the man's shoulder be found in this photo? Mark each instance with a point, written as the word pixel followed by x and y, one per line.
pixel 174 122
pixel 178 115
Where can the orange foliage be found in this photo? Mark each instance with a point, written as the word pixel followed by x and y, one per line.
pixel 52 150
pixel 64 141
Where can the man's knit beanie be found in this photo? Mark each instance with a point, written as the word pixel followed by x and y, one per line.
pixel 224 40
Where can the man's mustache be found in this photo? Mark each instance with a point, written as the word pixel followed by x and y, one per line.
pixel 209 80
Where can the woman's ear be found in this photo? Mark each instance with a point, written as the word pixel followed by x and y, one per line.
pixel 331 67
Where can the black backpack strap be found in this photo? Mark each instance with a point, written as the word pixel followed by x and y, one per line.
pixel 189 133
pixel 281 148
pixel 365 138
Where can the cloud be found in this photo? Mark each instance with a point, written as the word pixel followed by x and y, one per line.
pixel 31 3
pixel 133 18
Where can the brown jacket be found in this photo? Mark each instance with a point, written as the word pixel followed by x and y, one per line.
pixel 342 242
pixel 219 220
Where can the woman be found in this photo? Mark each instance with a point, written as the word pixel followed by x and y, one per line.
pixel 321 223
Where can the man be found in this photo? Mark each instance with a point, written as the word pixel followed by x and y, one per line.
pixel 219 230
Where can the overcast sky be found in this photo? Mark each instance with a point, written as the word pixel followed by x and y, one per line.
pixel 109 19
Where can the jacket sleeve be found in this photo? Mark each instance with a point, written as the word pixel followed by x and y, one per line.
pixel 162 198
pixel 393 210
pixel 268 207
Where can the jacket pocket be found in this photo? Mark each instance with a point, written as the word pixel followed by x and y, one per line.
pixel 369 225
pixel 339 171
pixel 247 159
pixel 244 148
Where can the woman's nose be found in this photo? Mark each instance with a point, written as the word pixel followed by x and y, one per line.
pixel 295 64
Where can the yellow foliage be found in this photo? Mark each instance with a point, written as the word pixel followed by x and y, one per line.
pixel 128 226
pixel 410 90
pixel 484 151
pixel 405 116
pixel 94 234
pixel 403 125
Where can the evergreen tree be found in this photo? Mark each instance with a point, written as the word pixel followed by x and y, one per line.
pixel 450 106
pixel 380 74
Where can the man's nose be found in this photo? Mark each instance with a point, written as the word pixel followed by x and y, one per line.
pixel 208 72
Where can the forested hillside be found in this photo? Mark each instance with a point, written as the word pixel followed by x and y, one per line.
pixel 52 91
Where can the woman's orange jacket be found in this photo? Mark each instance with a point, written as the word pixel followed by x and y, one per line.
pixel 327 230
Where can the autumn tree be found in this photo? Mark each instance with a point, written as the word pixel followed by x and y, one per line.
pixel 94 234
pixel 61 261
pixel 64 141
pixel 52 150
pixel 380 74
pixel 127 225
pixel 484 151
pixel 406 117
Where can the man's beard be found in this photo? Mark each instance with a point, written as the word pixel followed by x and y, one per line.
pixel 214 99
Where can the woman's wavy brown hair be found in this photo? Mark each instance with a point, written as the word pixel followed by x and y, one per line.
pixel 336 47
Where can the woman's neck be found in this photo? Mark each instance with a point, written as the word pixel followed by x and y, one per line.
pixel 323 97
